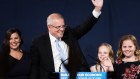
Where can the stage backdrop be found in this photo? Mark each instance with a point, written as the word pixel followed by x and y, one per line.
pixel 118 18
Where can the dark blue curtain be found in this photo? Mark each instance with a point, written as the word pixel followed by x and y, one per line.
pixel 118 18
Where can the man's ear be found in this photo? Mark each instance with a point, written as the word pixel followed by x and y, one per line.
pixel 49 27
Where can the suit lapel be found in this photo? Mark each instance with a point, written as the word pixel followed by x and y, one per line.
pixel 48 49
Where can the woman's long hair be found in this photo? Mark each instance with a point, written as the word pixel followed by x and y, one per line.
pixel 5 51
pixel 6 43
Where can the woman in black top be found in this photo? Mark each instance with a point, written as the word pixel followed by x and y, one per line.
pixel 14 62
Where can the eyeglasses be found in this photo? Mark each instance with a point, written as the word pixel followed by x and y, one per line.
pixel 58 27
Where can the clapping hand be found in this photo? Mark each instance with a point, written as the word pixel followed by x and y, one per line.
pixel 107 63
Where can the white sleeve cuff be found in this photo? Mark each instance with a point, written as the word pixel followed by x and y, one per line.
pixel 95 13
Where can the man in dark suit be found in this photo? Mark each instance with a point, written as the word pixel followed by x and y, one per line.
pixel 46 58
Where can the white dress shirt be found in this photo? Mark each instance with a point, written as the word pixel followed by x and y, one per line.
pixel 56 55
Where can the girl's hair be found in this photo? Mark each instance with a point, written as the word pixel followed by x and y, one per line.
pixel 120 54
pixel 111 56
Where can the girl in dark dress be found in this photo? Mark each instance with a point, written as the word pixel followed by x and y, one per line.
pixel 15 63
pixel 127 65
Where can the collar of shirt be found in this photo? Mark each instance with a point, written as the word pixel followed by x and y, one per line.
pixel 52 38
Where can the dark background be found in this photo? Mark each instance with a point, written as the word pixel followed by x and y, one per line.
pixel 118 18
